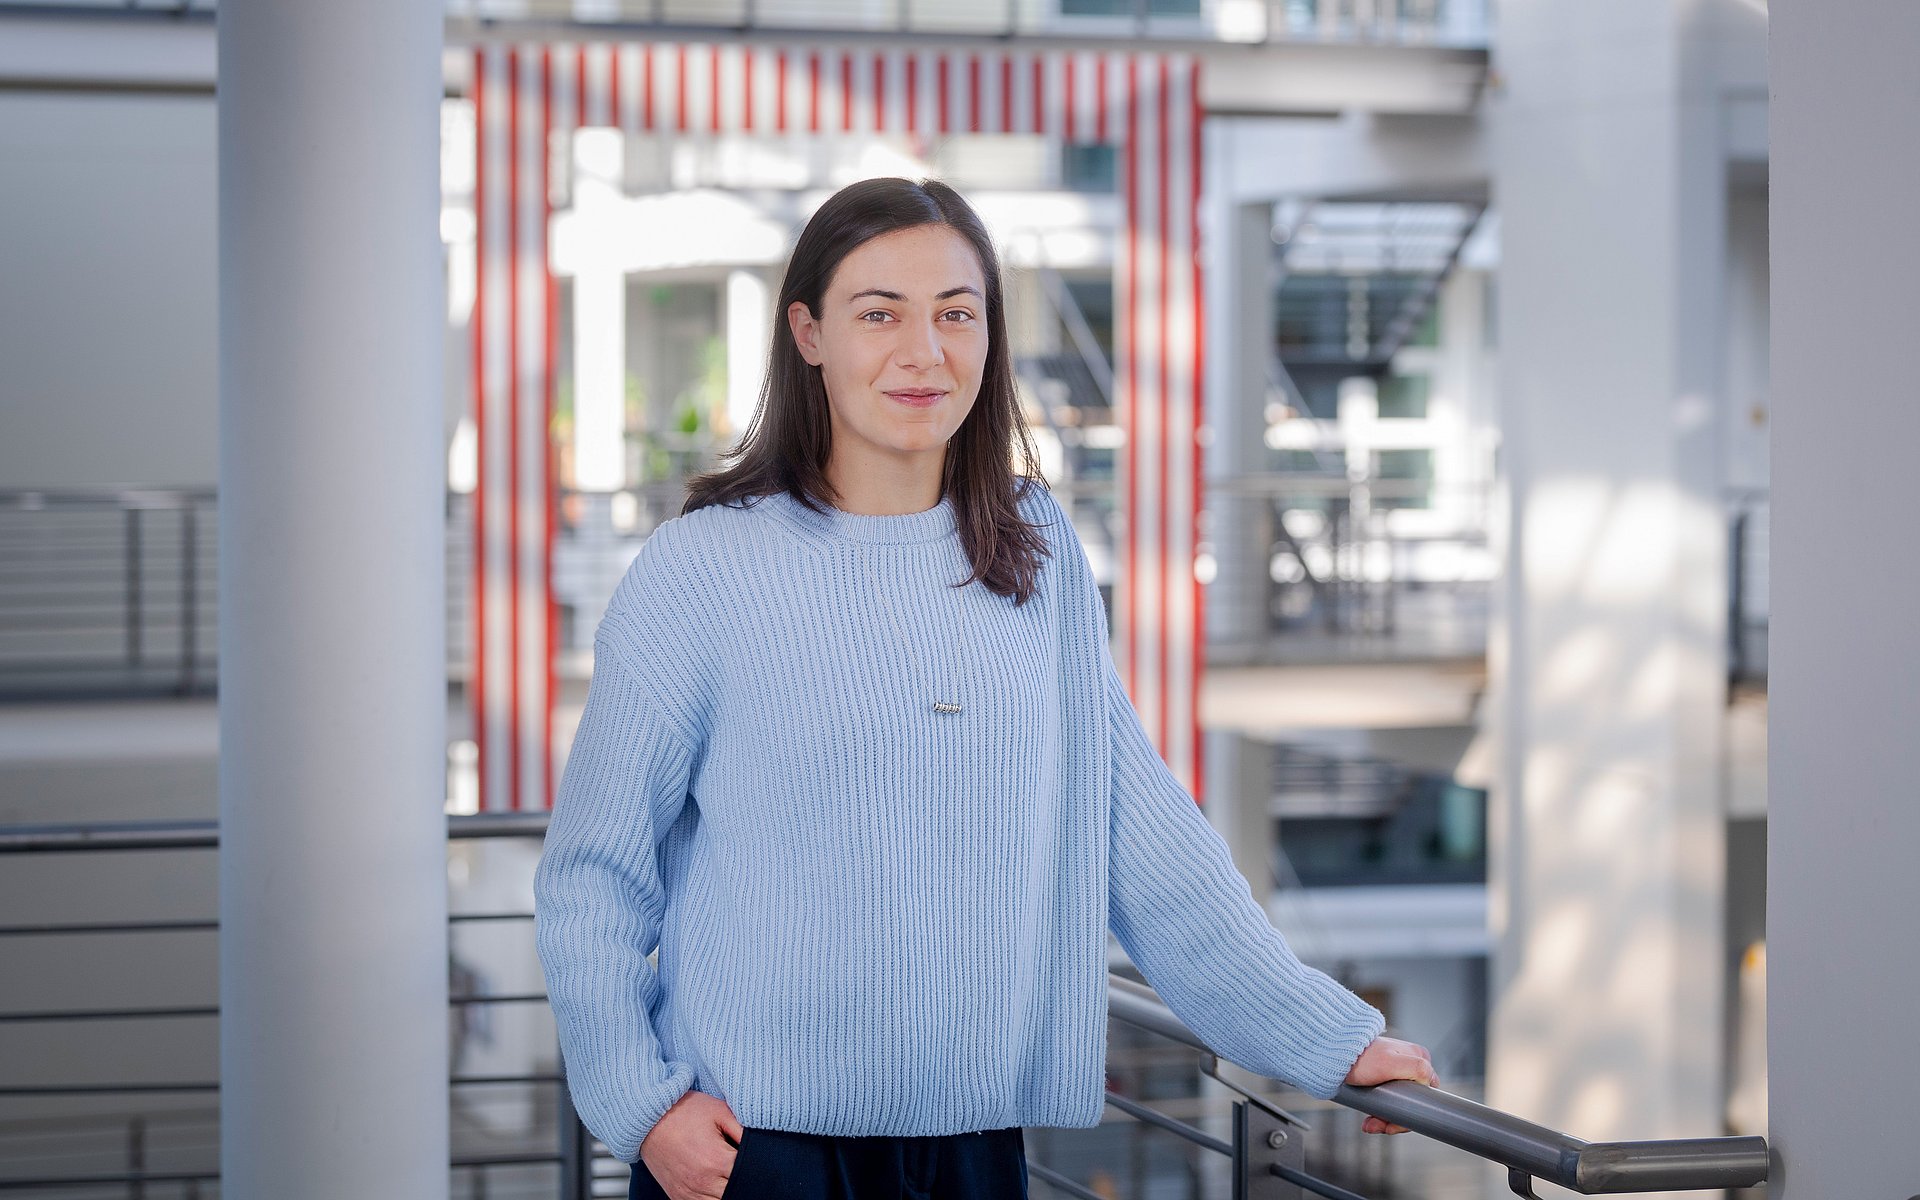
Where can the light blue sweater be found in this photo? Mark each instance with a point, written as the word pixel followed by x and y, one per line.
pixel 873 917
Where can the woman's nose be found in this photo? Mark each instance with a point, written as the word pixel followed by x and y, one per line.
pixel 920 347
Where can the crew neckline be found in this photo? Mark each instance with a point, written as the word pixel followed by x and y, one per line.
pixel 927 525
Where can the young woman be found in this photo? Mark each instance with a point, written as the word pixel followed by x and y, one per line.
pixel 856 760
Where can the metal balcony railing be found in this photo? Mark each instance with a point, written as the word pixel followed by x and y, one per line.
pixel 191 1138
pixel 1372 570
pixel 1267 1151
pixel 113 592
pixel 110 588
pixel 1266 1144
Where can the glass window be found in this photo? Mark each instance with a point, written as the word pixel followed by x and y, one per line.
pixel 1094 295
pixel 677 375
pixel 1125 8
pixel 1296 462
pixel 1430 831
pixel 1407 479
pixel 1319 392
pixel 1404 397
pixel 1089 166
pixel 1428 334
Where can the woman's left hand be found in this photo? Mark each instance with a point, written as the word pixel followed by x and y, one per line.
pixel 1387 1059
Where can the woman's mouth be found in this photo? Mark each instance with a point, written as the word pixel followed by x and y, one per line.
pixel 917 397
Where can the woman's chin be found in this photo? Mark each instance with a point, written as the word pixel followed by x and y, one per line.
pixel 922 440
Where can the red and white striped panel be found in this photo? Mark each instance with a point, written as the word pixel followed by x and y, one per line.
pixel 1159 348
pixel 515 635
pixel 673 88
pixel 1147 104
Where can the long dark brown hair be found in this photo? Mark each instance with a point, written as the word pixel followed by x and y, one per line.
pixel 787 443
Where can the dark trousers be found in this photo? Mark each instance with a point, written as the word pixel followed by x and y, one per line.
pixel 772 1164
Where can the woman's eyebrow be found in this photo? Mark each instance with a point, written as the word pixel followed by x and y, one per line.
pixel 884 294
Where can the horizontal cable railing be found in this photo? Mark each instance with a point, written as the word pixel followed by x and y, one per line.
pixel 110 588
pixel 113 592
pixel 1348 570
pixel 574 1153
pixel 1267 1141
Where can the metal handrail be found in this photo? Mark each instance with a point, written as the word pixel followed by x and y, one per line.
pixel 110 499
pixel 205 835
pixel 1590 1168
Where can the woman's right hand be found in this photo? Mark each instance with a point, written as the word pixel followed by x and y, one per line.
pixel 685 1151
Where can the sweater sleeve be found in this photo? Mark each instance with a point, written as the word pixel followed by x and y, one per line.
pixel 598 895
pixel 1186 917
pixel 1184 913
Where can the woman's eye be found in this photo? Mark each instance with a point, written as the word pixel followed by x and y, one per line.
pixel 960 315
pixel 878 312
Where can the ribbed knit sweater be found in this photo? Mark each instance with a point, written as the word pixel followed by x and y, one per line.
pixel 873 917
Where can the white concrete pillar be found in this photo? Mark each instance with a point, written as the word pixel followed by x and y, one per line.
pixel 1239 277
pixel 1608 831
pixel 1459 405
pixel 749 335
pixel 599 315
pixel 333 879
pixel 1356 563
pixel 1843 964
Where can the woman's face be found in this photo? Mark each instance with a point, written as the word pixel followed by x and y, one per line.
pixel 901 341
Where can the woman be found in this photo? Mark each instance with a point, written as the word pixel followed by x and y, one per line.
pixel 855 758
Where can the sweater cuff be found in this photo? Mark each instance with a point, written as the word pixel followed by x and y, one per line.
pixel 624 1143
pixel 1346 1037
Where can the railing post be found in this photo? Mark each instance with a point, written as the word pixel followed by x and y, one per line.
pixel 189 589
pixel 1398 567
pixel 1262 1137
pixel 1737 597
pixel 576 1151
pixel 134 620
pixel 137 1158
pixel 1339 537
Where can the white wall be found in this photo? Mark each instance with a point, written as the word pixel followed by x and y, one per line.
pixel 1357 153
pixel 107 290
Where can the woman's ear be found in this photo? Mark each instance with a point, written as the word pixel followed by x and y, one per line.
pixel 806 331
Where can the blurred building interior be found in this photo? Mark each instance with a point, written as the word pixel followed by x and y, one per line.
pixel 1427 347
